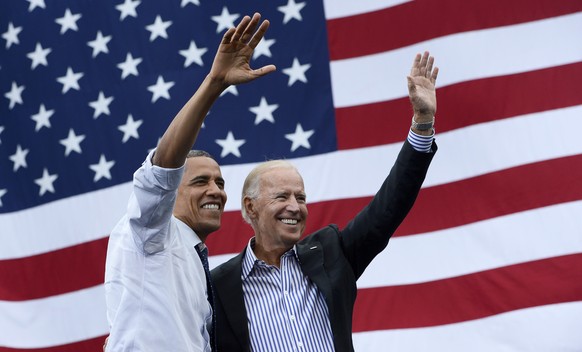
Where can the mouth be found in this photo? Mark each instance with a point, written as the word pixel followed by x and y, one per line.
pixel 211 206
pixel 289 221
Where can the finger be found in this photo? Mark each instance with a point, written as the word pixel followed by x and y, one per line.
pixel 251 27
pixel 424 59
pixel 423 62
pixel 434 75
pixel 264 70
pixel 259 34
pixel 240 29
pixel 415 65
pixel 227 37
pixel 429 66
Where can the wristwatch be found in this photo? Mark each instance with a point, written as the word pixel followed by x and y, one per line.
pixel 425 126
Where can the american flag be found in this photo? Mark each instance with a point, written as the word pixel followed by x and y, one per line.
pixel 489 259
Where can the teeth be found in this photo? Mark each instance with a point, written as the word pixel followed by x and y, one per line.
pixel 210 206
pixel 289 221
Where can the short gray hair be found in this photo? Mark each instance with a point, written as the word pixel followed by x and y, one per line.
pixel 251 187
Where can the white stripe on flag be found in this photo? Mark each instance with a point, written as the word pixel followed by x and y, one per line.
pixel 484 245
pixel 56 320
pixel 547 328
pixel 345 8
pixel 485 53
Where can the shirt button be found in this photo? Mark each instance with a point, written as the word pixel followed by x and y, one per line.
pixel 299 344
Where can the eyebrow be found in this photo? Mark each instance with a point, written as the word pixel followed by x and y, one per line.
pixel 286 193
pixel 205 178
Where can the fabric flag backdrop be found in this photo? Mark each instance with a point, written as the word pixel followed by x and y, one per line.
pixel 490 258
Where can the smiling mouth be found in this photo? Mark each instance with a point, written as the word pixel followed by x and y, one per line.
pixel 289 221
pixel 211 206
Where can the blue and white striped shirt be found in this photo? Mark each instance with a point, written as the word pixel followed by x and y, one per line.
pixel 285 310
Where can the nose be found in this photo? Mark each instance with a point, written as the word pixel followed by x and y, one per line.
pixel 213 189
pixel 293 205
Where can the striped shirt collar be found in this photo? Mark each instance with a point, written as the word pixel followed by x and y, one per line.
pixel 250 260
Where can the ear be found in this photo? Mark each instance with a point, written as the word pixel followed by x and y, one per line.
pixel 249 207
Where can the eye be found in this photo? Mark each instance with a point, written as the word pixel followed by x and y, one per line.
pixel 199 181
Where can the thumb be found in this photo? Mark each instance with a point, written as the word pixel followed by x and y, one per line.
pixel 264 70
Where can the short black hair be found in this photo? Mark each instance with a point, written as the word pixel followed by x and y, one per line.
pixel 195 153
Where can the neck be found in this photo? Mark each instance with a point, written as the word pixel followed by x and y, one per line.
pixel 202 236
pixel 269 254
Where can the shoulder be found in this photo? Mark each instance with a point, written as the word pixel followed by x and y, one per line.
pixel 328 234
pixel 226 268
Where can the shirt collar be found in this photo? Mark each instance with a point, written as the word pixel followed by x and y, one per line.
pixel 250 260
pixel 188 236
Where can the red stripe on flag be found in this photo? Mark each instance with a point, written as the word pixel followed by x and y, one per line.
pixel 65 270
pixel 509 96
pixel 496 194
pixel 93 345
pixel 472 296
pixel 454 16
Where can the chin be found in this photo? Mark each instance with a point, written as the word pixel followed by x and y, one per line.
pixel 209 227
pixel 294 237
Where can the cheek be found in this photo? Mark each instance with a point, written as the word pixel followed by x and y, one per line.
pixel 192 200
pixel 184 196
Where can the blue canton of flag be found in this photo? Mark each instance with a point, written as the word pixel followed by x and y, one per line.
pixel 88 87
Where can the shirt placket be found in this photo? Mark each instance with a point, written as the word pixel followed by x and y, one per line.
pixel 289 303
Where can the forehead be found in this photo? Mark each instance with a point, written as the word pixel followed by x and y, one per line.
pixel 282 179
pixel 201 165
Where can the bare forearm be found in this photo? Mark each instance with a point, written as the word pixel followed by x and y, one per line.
pixel 182 132
pixel 230 66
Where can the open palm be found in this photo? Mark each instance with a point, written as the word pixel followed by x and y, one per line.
pixel 232 62
pixel 421 85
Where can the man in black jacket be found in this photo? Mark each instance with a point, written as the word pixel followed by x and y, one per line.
pixel 285 294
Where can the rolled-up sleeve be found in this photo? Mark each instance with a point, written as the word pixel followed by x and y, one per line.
pixel 152 203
